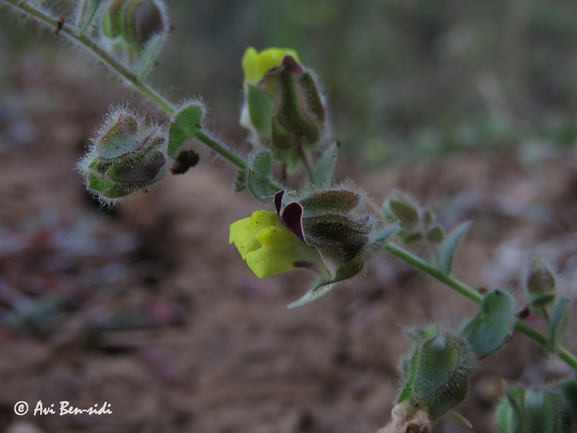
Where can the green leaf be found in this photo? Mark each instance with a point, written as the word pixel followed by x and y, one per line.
pixel 325 166
pixel 258 176
pixel 260 106
pixel 489 329
pixel 321 286
pixel 183 127
pixel 449 247
pixel 558 323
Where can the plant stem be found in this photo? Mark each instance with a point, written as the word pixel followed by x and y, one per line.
pixel 223 151
pixel 438 275
pixel 146 90
pixel 569 358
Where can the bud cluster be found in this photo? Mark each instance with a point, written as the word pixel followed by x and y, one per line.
pixel 284 108
pixel 436 372
pixel 126 156
pixel 416 224
pixel 135 30
pixel 534 411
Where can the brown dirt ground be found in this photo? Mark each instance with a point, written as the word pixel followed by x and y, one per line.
pixel 149 309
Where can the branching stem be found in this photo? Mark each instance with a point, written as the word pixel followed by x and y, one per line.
pixel 475 296
pixel 145 89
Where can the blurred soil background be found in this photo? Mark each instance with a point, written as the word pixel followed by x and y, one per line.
pixel 469 107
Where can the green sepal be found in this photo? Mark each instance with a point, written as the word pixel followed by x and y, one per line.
pixel 435 235
pixel 258 176
pixel 427 217
pixel 441 382
pixel 510 415
pixel 120 140
pixel 290 112
pixel 404 211
pixel 143 20
pixel 313 99
pixel 450 245
pixel 339 201
pixel 143 171
pixel 321 286
pixel 98 183
pixel 183 127
pixel 335 234
pixel 282 139
pixel 540 412
pixel 568 390
pixel 412 238
pixel 86 12
pixel 144 56
pixel 491 327
pixel 410 363
pixel 558 323
pixel 112 21
pixel 118 190
pixel 435 374
pixel 261 106
pixel 540 277
pixel 325 166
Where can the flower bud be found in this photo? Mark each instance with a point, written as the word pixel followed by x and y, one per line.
pixel 436 373
pixel 283 107
pixel 337 223
pixel 126 157
pixel 135 29
pixel 532 411
pixel 540 283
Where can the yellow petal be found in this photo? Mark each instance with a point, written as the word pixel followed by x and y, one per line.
pixel 243 237
pixel 237 227
pixel 249 65
pixel 276 237
pixel 269 261
pixel 256 65
pixel 264 218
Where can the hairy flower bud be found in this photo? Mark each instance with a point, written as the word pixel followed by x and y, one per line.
pixel 540 283
pixel 135 30
pixel 436 372
pixel 283 106
pixel 532 411
pixel 126 157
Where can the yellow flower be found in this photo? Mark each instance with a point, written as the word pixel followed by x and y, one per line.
pixel 256 65
pixel 270 248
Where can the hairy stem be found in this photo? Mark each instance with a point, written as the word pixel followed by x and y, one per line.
pixel 476 297
pixel 146 90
